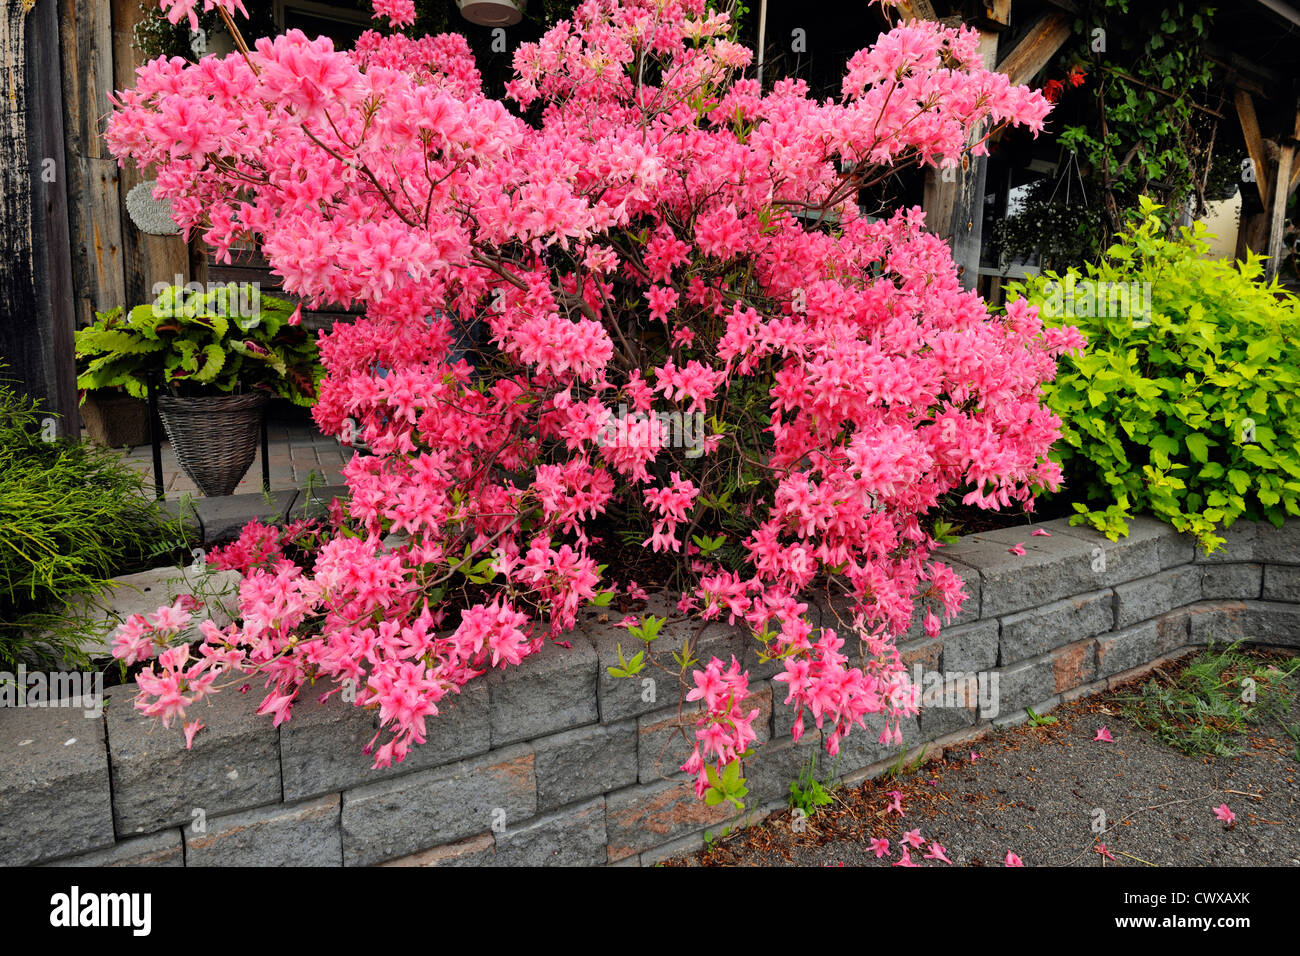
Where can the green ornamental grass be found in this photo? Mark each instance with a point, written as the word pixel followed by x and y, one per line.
pixel 72 515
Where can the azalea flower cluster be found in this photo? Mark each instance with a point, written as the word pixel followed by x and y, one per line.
pixel 642 226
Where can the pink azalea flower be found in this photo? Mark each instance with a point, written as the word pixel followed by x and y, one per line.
pixel 896 804
pixel 1017 548
pixel 1040 533
pixel 1104 735
pixel 1226 815
pixel 974 755
pixel 1012 860
pixel 913 838
pixel 936 852
pixel 905 859
pixel 880 846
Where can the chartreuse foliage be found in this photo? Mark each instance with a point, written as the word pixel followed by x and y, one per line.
pixel 207 342
pixel 1188 407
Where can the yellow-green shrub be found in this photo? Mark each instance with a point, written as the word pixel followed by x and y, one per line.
pixel 1186 403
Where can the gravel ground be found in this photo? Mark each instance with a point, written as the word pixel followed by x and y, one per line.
pixel 1037 791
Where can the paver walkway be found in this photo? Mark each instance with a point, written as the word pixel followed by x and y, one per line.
pixel 295 451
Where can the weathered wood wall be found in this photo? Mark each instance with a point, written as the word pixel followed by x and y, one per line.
pixel 36 315
pixel 67 246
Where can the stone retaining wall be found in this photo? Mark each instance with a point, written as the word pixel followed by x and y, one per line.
pixel 556 762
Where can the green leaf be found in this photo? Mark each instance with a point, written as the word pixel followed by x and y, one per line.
pixel 1198 445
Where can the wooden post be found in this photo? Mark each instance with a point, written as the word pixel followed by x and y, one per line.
pixel 967 225
pixel 36 309
pixel 95 214
pixel 1286 161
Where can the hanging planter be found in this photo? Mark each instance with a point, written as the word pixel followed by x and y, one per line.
pixel 215 357
pixel 215 437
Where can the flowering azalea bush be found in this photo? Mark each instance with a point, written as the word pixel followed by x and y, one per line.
pixel 642 227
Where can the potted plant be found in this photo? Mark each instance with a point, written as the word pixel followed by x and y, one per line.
pixel 215 356
pixel 115 419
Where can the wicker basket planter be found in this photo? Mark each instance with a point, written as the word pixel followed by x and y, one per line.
pixel 116 420
pixel 215 438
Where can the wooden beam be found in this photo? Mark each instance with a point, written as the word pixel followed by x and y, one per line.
pixel 996 15
pixel 1035 51
pixel 1254 143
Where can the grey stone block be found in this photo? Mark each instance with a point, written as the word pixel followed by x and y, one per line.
pixel 1277 545
pixel 1231 582
pixel 1176 549
pixel 145 591
pixel 938 719
pixel 970 609
pixel 1259 622
pixel 550 691
pixel 774 766
pixel 1239 544
pixel 1281 583
pixel 664 741
pixel 157 783
pixel 1126 649
pixel 1137 555
pixel 321 745
pixel 302 834
pixel 223 518
pixel 473 851
pixel 1024 685
pixel 621 698
pixel 574 836
pixel 156 849
pixel 862 747
pixel 1217 622
pixel 1030 633
pixel 316 505
pixel 584 762
pixel 429 808
pixel 1173 630
pixel 54 796
pixel 1050 569
pixel 971 647
pixel 646 816
pixel 1153 596
pixel 1268 622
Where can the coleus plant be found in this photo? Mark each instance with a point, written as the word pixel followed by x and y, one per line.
pixel 201 342
pixel 643 227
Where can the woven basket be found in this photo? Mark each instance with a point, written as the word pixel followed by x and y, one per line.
pixel 215 438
